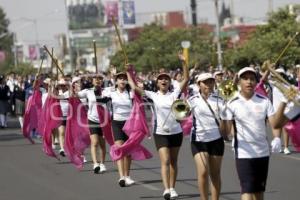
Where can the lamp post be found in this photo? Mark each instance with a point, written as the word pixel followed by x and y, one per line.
pixel 219 50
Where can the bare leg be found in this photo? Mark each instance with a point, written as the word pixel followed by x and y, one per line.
pixel 164 155
pixel 103 149
pixel 120 163
pixel 202 172
pixel 94 147
pixel 215 163
pixel 173 165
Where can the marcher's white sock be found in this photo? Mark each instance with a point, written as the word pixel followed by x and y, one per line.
pixel 21 120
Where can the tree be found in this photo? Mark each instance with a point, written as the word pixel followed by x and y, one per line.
pixel 268 41
pixel 6 42
pixel 157 47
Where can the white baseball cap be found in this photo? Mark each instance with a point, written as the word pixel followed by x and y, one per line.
pixel 280 70
pixel 75 79
pixel 217 73
pixel 47 81
pixel 204 76
pixel 246 69
pixel 298 66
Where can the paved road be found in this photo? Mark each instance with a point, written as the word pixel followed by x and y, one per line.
pixel 27 174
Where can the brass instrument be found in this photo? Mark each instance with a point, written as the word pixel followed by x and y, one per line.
pixel 289 91
pixel 180 109
pixel 227 90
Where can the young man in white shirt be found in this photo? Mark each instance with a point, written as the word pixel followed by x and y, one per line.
pixel 247 113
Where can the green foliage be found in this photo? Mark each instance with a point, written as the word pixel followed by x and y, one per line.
pixel 22 69
pixel 268 41
pixel 156 48
pixel 6 41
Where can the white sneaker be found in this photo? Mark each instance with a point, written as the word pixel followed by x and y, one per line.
pixel 129 181
pixel 286 151
pixel 96 168
pixel 102 168
pixel 173 193
pixel 166 194
pixel 53 146
pixel 84 159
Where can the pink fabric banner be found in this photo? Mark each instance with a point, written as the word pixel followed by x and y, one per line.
pixel 32 113
pixel 292 128
pixel 105 124
pixel 136 129
pixel 53 119
pixel 260 89
pixel 77 136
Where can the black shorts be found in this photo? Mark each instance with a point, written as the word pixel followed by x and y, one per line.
pixel 119 134
pixel 64 121
pixel 213 148
pixel 95 128
pixel 252 173
pixel 168 140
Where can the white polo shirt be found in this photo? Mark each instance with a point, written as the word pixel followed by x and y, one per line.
pixel 205 128
pixel 250 118
pixel 64 103
pixel 162 107
pixel 89 94
pixel 121 103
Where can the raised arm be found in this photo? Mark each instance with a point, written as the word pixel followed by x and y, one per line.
pixel 132 83
pixel 185 70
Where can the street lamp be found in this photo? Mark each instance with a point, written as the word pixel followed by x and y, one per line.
pixel 219 51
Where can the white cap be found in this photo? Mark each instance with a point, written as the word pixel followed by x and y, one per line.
pixel 246 69
pixel 298 66
pixel 62 82
pixel 217 73
pixel 75 79
pixel 280 70
pixel 47 81
pixel 204 76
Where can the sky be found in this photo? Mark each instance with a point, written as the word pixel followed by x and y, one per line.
pixel 41 20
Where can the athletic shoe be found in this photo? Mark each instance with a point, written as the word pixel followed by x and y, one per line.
pixel 286 151
pixel 122 182
pixel 96 168
pixel 173 193
pixel 128 181
pixel 166 194
pixel 102 168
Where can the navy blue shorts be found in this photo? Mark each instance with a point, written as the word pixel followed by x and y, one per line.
pixel 253 173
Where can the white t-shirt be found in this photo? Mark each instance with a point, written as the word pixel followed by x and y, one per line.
pixel 89 94
pixel 162 107
pixel 121 103
pixel 250 116
pixel 292 111
pixel 205 128
pixel 44 97
pixel 64 103
pixel 276 97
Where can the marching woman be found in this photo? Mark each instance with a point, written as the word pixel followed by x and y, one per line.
pixel 168 133
pixel 92 95
pixel 207 144
pixel 121 100
pixel 63 91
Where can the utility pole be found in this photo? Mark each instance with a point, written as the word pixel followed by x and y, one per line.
pixel 219 51
pixel 194 12
pixel 270 6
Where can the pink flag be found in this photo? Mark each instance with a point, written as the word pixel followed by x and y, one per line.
pixel 53 119
pixel 136 129
pixel 260 89
pixel 32 113
pixel 105 124
pixel 77 137
pixel 186 125
pixel 292 128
